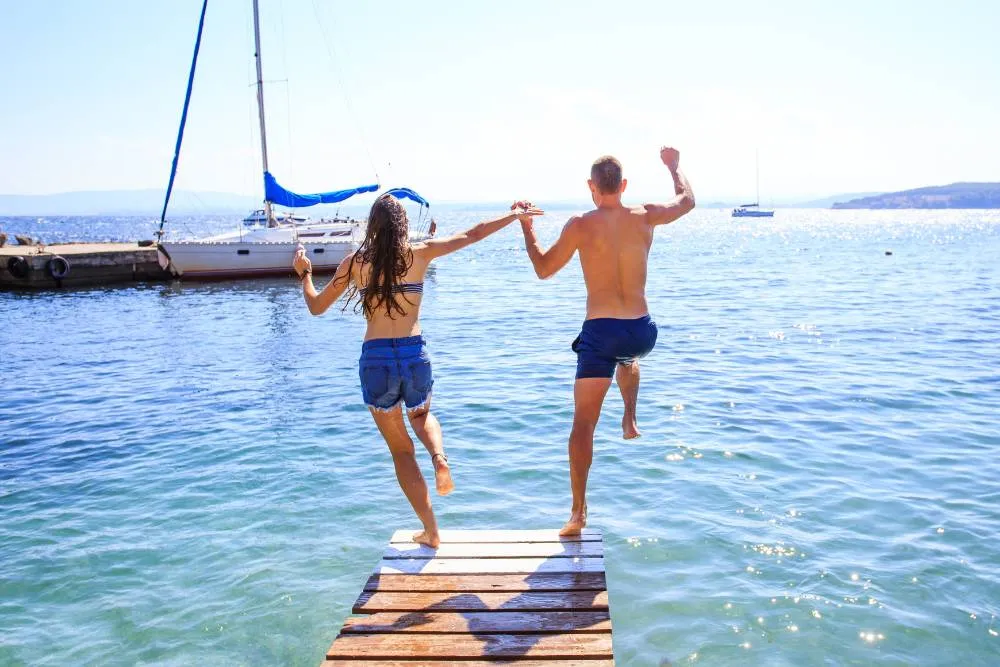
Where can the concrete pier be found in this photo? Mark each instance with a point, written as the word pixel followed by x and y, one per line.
pixel 77 265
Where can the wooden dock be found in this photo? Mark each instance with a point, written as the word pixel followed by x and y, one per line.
pixel 522 597
pixel 78 264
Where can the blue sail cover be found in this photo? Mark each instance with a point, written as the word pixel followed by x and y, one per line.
pixel 276 194
pixel 407 193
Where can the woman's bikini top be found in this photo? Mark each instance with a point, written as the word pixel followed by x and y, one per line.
pixel 404 288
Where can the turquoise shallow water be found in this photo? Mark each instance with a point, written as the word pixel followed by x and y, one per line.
pixel 187 476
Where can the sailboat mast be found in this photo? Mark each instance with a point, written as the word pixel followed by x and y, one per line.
pixel 756 159
pixel 260 103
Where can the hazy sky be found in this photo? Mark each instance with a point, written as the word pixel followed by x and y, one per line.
pixel 492 100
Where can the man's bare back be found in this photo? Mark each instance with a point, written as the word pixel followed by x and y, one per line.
pixel 614 246
pixel 613 241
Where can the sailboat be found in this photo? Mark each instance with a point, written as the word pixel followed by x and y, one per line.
pixel 266 243
pixel 753 210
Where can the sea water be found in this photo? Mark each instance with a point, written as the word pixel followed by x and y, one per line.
pixel 188 476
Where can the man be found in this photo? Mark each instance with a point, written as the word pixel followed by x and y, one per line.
pixel 613 241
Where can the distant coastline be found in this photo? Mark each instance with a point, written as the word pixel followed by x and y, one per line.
pixel 956 195
pixel 149 202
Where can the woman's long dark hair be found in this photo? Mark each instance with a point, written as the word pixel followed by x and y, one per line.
pixel 386 249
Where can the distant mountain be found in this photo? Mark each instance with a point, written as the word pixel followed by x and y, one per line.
pixel 956 195
pixel 126 202
pixel 827 202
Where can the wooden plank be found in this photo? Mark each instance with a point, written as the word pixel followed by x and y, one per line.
pixel 477 623
pixel 370 603
pixel 490 565
pixel 487 536
pixel 462 646
pixel 517 662
pixel 496 550
pixel 473 583
pixel 483 598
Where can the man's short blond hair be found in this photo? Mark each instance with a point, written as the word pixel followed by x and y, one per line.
pixel 606 173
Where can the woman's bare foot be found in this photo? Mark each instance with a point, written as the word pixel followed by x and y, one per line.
pixel 442 475
pixel 630 429
pixel 428 538
pixel 577 522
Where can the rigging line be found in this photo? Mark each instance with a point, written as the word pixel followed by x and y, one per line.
pixel 184 113
pixel 288 125
pixel 251 155
pixel 330 50
pixel 288 100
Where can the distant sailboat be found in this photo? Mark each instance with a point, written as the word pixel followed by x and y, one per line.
pixel 267 243
pixel 753 210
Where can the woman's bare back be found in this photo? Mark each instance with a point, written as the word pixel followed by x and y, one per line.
pixel 398 325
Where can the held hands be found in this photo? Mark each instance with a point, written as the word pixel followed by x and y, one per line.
pixel 524 211
pixel 301 263
pixel 671 157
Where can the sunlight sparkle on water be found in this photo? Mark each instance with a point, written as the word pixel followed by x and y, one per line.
pixel 778 549
pixel 899 386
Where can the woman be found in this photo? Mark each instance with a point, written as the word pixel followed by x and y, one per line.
pixel 385 276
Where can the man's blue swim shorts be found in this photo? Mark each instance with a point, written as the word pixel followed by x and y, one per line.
pixel 605 342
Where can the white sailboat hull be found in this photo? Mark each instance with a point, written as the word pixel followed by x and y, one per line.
pixel 208 259
pixel 265 251
pixel 262 251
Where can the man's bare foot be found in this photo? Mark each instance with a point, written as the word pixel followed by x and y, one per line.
pixel 577 522
pixel 442 475
pixel 630 429
pixel 428 538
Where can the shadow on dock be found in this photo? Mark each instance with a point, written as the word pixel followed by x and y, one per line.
pixel 480 602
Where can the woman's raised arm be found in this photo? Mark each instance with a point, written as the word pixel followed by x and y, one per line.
pixel 319 302
pixel 440 247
